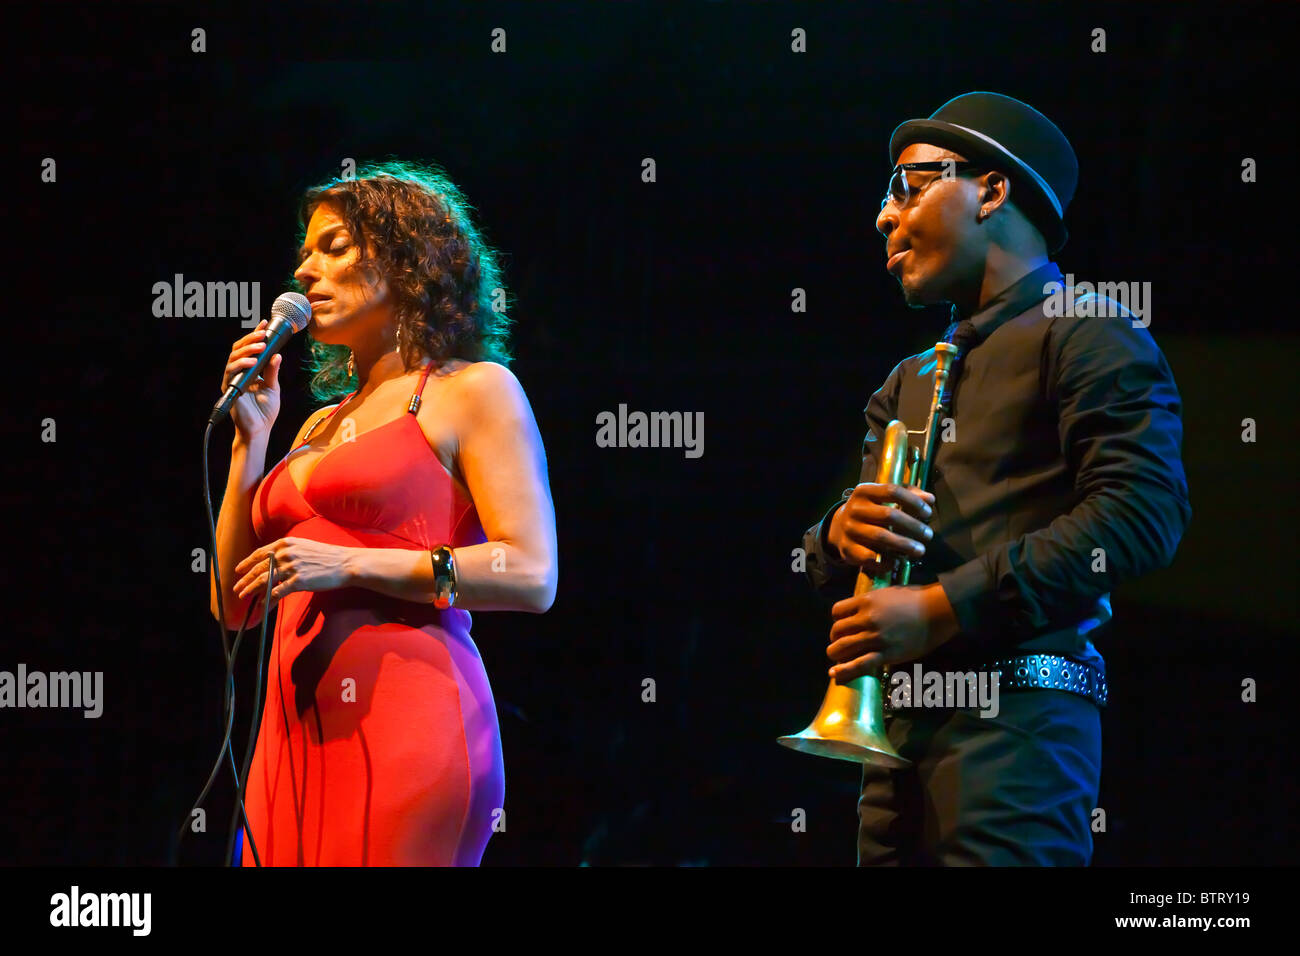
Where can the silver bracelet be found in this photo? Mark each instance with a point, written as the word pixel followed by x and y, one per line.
pixel 444 577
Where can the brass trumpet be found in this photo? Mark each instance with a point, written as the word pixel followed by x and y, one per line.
pixel 851 722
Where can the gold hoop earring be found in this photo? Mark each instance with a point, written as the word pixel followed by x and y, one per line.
pixel 352 365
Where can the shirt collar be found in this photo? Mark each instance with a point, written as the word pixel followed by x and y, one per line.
pixel 1021 295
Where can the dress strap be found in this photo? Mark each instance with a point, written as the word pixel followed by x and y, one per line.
pixel 324 418
pixel 414 405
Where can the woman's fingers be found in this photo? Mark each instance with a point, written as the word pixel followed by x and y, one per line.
pixel 251 350
pixel 257 335
pixel 242 356
pixel 271 374
pixel 237 363
pixel 257 568
pixel 257 583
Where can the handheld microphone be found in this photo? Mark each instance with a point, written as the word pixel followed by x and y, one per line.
pixel 290 314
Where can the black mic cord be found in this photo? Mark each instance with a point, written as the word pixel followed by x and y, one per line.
pixel 228 715
pixel 241 781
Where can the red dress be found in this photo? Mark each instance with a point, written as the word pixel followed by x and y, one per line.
pixel 379 742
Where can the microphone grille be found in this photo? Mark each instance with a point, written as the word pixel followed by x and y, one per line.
pixel 294 308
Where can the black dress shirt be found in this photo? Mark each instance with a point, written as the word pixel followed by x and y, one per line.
pixel 1066 438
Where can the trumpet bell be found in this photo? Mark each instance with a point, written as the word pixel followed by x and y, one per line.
pixel 850 726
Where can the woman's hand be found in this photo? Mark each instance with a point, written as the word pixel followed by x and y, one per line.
pixel 254 411
pixel 301 564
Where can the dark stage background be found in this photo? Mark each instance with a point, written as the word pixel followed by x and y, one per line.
pixel 673 295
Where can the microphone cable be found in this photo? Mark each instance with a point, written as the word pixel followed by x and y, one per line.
pixel 230 653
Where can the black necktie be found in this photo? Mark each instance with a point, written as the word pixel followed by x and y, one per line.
pixel 964 336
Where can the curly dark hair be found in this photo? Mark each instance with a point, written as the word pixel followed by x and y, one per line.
pixel 414 229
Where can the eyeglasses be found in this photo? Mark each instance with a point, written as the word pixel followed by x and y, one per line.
pixel 900 193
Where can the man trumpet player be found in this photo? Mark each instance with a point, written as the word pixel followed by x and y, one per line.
pixel 1056 475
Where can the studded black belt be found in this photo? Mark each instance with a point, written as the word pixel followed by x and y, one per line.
pixel 1040 671
pixel 1053 672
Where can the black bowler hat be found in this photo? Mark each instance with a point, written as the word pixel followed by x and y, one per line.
pixel 1013 137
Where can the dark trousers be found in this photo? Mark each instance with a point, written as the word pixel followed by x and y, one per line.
pixel 1011 790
